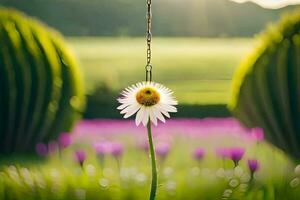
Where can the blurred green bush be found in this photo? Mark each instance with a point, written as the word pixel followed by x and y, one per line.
pixel 41 91
pixel 266 87
pixel 102 103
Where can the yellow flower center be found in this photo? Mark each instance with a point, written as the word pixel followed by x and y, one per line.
pixel 148 96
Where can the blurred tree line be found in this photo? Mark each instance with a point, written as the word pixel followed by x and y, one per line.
pixel 208 18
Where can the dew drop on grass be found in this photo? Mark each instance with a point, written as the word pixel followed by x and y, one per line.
pixel 13 174
pixel 233 183
pixel 40 181
pixel 171 185
pixel 54 173
pixel 103 182
pixel 245 178
pixel 297 170
pixel 125 174
pixel 243 187
pixel 238 171
pixel 294 183
pixel 27 177
pixel 80 194
pixel 90 169
pixel 229 174
pixel 168 171
pixel 220 173
pixel 227 193
pixel 141 178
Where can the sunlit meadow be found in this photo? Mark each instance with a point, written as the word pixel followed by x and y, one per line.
pixel 117 61
pixel 223 122
pixel 108 159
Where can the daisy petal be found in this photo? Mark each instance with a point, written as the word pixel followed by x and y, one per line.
pixel 121 107
pixel 152 116
pixel 169 108
pixel 158 114
pixel 165 113
pixel 145 117
pixel 132 110
pixel 139 116
pixel 129 108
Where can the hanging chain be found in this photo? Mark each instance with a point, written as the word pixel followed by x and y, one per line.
pixel 149 40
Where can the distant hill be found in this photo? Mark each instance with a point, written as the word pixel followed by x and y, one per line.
pixel 206 18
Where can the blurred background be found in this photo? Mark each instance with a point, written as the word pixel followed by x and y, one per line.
pixel 63 64
pixel 197 44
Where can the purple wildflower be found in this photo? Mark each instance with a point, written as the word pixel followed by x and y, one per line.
pixel 162 150
pixel 102 148
pixel 257 134
pixel 199 154
pixel 41 149
pixel 236 154
pixel 253 165
pixel 64 140
pixel 80 157
pixel 116 149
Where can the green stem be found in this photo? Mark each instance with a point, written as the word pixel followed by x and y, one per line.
pixel 153 163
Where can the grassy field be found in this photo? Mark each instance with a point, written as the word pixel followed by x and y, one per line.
pixel 198 70
pixel 126 175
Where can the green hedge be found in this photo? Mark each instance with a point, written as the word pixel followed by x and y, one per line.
pixel 266 87
pixel 41 89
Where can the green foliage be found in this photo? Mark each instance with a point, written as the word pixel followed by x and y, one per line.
pixel 207 18
pixel 180 177
pixel 41 91
pixel 266 86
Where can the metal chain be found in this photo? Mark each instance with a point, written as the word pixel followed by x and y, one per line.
pixel 149 40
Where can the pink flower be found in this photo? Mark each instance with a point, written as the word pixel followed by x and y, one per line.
pixel 80 157
pixel 253 165
pixel 116 149
pixel 64 140
pixel 41 149
pixel 236 154
pixel 162 150
pixel 102 148
pixel 257 134
pixel 199 154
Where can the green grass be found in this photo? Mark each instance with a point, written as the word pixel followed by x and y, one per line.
pixel 60 177
pixel 198 70
pixel 180 177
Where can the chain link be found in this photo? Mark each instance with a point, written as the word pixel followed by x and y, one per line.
pixel 149 40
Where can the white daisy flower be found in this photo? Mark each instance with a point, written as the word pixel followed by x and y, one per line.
pixel 149 100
